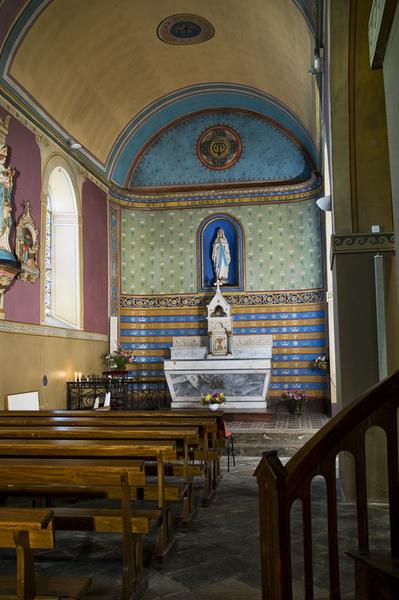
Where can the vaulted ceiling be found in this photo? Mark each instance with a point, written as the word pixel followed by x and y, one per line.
pixel 96 72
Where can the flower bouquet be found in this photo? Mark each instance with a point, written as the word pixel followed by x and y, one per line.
pixel 213 399
pixel 118 359
pixel 294 400
pixel 321 362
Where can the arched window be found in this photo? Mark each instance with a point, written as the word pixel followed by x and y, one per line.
pixel 62 270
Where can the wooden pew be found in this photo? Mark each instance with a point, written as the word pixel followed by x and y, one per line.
pixel 159 415
pixel 206 429
pixel 157 450
pixel 213 425
pixel 208 452
pixel 38 474
pixel 185 437
pixel 26 529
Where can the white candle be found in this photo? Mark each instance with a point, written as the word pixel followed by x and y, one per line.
pixel 76 376
pixel 79 377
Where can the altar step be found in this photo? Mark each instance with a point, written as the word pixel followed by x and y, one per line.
pixel 281 432
pixel 260 415
pixel 254 444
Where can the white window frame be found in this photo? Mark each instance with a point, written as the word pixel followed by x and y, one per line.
pixel 68 224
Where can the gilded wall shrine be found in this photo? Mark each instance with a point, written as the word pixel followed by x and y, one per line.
pixel 284 290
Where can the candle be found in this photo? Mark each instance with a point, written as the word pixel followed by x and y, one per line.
pixel 79 377
pixel 76 376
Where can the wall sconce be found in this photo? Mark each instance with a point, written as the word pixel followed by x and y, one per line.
pixel 324 203
pixel 317 62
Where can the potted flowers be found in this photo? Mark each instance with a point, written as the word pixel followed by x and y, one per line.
pixel 118 359
pixel 321 362
pixel 294 400
pixel 214 400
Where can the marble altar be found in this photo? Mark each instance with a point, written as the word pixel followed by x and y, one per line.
pixel 238 365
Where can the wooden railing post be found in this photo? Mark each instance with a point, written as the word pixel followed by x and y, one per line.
pixel 391 429
pixel 275 535
pixel 280 486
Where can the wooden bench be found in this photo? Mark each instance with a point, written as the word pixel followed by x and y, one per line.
pixel 91 449
pixel 77 475
pixel 24 530
pixel 206 429
pixel 184 437
pixel 209 427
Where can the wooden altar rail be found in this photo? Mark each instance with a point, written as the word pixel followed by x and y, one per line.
pixel 280 486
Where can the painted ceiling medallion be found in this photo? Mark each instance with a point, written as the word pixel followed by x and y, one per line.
pixel 185 29
pixel 219 147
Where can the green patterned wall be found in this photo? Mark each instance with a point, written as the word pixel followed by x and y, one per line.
pixel 282 248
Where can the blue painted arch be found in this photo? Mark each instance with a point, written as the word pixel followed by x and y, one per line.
pixel 268 153
pixel 162 113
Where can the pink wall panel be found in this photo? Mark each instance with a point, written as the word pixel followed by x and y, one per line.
pixel 95 258
pixel 22 299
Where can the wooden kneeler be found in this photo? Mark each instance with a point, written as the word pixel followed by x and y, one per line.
pixel 25 529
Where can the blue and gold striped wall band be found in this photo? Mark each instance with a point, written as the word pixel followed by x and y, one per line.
pixel 298 330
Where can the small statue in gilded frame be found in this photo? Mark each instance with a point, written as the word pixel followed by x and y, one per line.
pixel 27 246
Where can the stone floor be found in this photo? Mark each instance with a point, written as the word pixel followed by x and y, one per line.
pixel 283 432
pixel 217 557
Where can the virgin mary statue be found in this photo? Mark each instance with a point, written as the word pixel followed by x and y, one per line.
pixel 221 257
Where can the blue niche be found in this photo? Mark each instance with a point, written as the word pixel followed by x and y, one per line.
pixel 207 234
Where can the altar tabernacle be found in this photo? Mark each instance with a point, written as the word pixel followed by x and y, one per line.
pixel 238 366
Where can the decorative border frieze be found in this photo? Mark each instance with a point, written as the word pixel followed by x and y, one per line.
pixel 50 331
pixel 194 300
pixel 354 243
pixel 266 194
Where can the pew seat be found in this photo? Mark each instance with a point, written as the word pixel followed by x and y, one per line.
pixel 119 474
pixel 26 529
pixel 99 519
